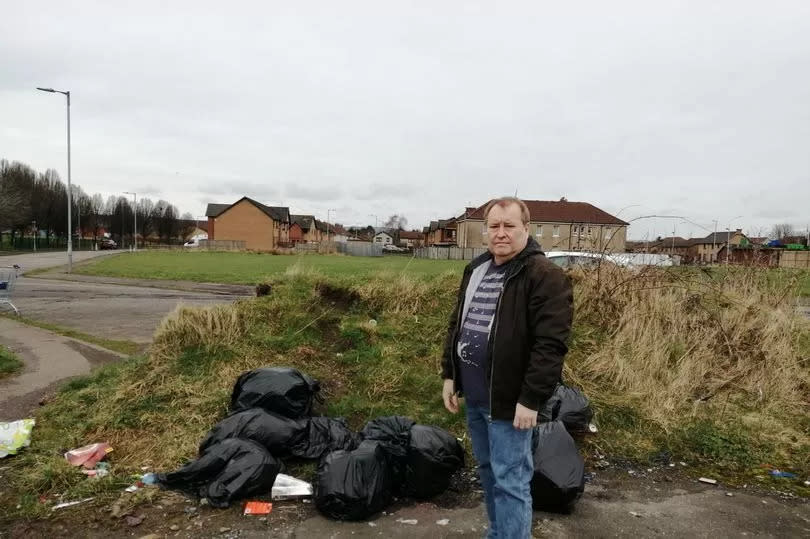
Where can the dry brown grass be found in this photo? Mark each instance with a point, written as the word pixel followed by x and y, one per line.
pixel 677 345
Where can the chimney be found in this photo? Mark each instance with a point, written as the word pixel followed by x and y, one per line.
pixel 563 199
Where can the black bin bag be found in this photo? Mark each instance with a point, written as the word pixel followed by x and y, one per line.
pixel 281 390
pixel 394 433
pixel 559 470
pixel 354 485
pixel 569 405
pixel 323 435
pixel 275 433
pixel 227 471
pixel 434 455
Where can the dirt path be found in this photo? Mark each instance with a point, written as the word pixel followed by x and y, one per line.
pixel 613 506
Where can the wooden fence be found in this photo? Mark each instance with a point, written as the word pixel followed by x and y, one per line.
pixel 794 259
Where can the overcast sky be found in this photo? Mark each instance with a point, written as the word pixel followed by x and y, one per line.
pixel 699 109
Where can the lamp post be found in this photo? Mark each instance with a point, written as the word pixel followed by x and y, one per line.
pixel 714 241
pixel 328 211
pixel 728 237
pixel 135 214
pixel 70 199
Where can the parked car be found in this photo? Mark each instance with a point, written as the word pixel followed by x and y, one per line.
pixel 192 243
pixel 391 248
pixel 106 244
pixel 570 259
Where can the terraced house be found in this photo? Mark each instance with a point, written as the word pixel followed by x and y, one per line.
pixel 261 227
pixel 556 225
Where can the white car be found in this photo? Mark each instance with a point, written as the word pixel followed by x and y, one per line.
pixel 570 259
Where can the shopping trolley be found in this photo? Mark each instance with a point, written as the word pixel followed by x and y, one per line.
pixel 8 276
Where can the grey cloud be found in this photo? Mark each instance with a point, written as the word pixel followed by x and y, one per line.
pixel 301 190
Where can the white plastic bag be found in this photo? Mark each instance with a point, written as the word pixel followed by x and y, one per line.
pixel 14 436
pixel 287 487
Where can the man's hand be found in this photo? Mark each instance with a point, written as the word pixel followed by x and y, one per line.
pixel 524 417
pixel 449 396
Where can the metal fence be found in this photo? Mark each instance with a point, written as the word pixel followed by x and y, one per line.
pixel 449 253
pixel 359 248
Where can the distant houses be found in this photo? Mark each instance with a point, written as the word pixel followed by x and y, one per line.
pixel 556 225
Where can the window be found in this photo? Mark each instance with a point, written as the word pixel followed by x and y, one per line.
pixel 589 232
pixel 555 232
pixel 539 232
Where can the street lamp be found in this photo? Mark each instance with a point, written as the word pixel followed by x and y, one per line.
pixel 328 211
pixel 135 214
pixel 728 236
pixel 70 198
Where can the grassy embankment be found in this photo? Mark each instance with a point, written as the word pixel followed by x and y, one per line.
pixel 708 369
pixel 9 362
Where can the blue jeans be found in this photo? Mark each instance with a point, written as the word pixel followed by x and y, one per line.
pixel 505 465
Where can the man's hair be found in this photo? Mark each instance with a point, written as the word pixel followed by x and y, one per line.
pixel 503 202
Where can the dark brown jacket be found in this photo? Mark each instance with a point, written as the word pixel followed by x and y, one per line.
pixel 530 330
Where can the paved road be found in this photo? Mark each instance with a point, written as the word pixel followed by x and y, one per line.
pixel 105 310
pixel 32 261
pixel 48 359
pixel 112 311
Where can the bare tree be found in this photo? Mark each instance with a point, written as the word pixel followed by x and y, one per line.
pixel 782 231
pixel 396 221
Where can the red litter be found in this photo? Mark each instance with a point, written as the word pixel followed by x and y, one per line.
pixel 258 508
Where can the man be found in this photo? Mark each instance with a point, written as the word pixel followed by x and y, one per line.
pixel 505 348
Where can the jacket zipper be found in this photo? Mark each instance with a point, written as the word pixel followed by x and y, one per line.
pixel 492 336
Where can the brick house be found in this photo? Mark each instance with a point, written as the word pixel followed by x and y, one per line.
pixel 441 232
pixel 556 225
pixel 673 245
pixel 261 227
pixel 706 250
pixel 305 228
pixel 410 238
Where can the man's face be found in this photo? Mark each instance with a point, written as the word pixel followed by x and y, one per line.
pixel 506 233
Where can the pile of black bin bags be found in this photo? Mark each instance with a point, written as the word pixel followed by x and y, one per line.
pixel 358 472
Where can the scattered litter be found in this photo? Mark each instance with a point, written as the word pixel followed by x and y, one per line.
pixel 602 464
pixel 672 465
pixel 133 521
pixel 286 487
pixel 144 468
pixel 88 455
pixel 258 508
pixel 14 436
pixel 631 472
pixel 96 473
pixel 730 494
pixel 132 488
pixel 589 477
pixel 683 463
pixel 174 527
pixel 592 428
pixel 411 521
pixel 708 481
pixel 372 322
pixel 443 522
pixel 224 529
pixel 372 524
pixel 69 504
pixel 637 515
pixel 779 473
pixel 807 483
pixel 764 502
pixel 649 470
pixel 149 479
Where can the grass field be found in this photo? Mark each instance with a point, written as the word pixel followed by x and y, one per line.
pixel 251 268
pixel 9 362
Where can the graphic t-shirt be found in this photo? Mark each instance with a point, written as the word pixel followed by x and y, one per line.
pixel 473 341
